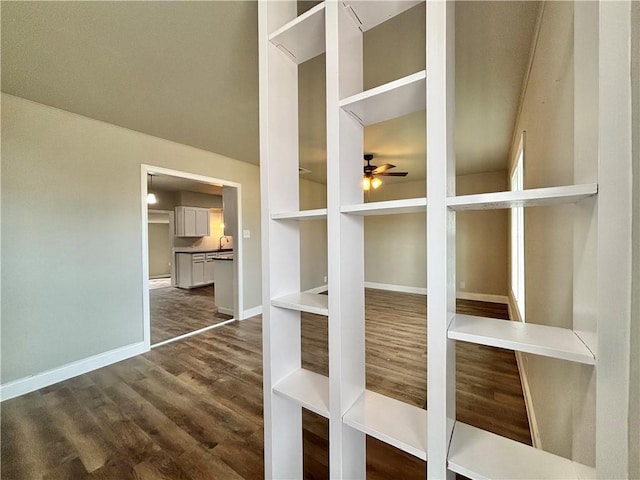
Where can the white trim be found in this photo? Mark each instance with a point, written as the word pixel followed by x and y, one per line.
pixel 483 297
pixel 238 302
pixel 480 297
pixel 252 312
pixel 396 288
pixel 320 289
pixel 528 401
pixel 226 311
pixel 191 334
pixel 35 382
pixel 514 315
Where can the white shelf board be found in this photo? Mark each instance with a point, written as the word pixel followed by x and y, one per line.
pixel 318 214
pixel 304 302
pixel 394 422
pixel 307 389
pixel 534 197
pixel 390 207
pixel 368 14
pixel 479 454
pixel 524 337
pixel 304 37
pixel 391 100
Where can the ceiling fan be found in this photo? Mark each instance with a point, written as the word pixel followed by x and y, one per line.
pixel 370 180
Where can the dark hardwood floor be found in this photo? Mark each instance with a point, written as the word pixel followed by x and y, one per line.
pixel 176 311
pixel 193 409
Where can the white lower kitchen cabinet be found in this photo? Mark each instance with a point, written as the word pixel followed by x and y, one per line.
pixel 223 289
pixel 192 270
pixel 209 267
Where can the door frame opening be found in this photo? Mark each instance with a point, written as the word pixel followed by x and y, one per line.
pixel 238 300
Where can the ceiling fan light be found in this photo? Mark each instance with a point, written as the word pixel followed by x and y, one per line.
pixel 376 182
pixel 366 183
pixel 151 199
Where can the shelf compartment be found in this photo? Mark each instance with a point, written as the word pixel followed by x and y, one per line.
pixel 391 100
pixel 542 340
pixel 389 207
pixel 479 454
pixel 304 302
pixel 304 37
pixel 391 421
pixel 534 197
pixel 369 14
pixel 308 389
pixel 318 214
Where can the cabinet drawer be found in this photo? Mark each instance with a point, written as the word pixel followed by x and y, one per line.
pixel 197 257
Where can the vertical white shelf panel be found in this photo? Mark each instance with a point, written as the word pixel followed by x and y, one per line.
pixel 307 389
pixel 303 38
pixel 543 340
pixel 391 100
pixel 478 454
pixel 391 421
pixel 441 241
pixel 347 447
pixel 285 393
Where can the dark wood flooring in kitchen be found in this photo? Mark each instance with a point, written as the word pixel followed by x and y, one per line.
pixel 176 311
pixel 193 409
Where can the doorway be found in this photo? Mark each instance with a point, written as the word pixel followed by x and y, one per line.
pixel 192 279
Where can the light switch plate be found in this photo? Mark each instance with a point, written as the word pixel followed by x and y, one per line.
pixel 246 234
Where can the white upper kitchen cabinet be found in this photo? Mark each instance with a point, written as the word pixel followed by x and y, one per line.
pixel 192 222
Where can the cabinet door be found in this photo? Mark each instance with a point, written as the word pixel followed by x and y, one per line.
pixel 201 227
pixel 190 222
pixel 208 270
pixel 197 272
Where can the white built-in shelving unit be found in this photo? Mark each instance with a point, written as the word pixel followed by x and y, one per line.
pixel 336 28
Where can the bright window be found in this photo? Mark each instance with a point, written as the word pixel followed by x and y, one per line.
pixel 517 233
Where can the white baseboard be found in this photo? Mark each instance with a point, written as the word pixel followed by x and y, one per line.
pixel 483 297
pixel 320 289
pixel 35 382
pixel 395 288
pixel 251 312
pixel 226 311
pixel 514 314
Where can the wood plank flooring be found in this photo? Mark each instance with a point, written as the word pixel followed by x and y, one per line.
pixel 193 409
pixel 175 311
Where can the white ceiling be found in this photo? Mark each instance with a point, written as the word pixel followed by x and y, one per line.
pixel 188 72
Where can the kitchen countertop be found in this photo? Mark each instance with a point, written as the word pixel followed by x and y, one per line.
pixel 199 250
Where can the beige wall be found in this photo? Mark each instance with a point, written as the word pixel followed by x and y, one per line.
pixel 395 244
pixel 482 238
pixel 562 392
pixel 71 236
pixel 313 237
pixel 159 250
pixel 634 394
pixel 195 199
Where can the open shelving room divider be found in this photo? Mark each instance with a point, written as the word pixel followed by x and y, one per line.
pixel 602 203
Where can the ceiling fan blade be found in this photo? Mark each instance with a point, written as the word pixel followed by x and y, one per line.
pixel 393 174
pixel 383 168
